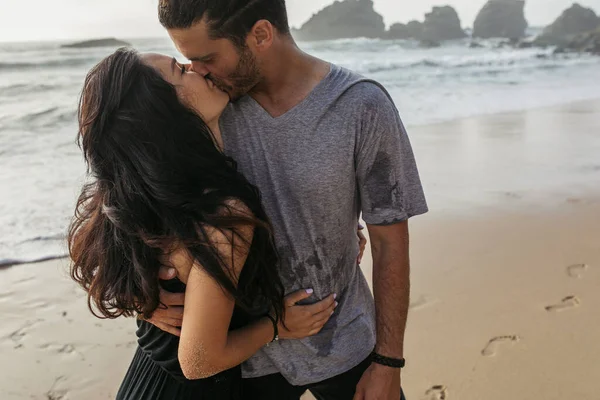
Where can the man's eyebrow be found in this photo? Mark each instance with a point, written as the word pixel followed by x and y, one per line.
pixel 173 62
pixel 203 58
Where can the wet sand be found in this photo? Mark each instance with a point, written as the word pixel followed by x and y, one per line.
pixel 506 271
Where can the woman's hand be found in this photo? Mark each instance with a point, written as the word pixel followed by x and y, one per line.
pixel 303 321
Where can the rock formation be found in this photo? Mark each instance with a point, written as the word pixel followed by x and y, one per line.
pixel 501 18
pixel 588 42
pixel 442 23
pixel 107 42
pixel 572 22
pixel 343 19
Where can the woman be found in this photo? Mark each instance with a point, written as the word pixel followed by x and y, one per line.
pixel 162 192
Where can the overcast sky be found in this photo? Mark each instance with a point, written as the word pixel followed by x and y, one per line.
pixel 74 19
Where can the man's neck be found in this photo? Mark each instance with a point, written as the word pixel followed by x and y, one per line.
pixel 289 77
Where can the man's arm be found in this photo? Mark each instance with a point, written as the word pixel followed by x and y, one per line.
pixel 391 287
pixel 390 194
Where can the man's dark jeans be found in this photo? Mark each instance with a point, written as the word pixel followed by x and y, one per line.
pixel 276 387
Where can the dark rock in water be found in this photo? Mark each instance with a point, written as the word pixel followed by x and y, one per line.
pixel 412 30
pixel 108 42
pixel 442 23
pixel 398 31
pixel 340 20
pixel 560 50
pixel 429 44
pixel 588 42
pixel 572 22
pixel 415 29
pixel 508 43
pixel 475 45
pixel 501 18
pixel 525 44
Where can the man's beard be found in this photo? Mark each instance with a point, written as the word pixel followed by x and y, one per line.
pixel 243 79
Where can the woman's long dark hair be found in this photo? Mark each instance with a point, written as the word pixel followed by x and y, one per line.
pixel 157 179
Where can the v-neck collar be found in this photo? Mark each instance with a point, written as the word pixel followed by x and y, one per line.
pixel 298 109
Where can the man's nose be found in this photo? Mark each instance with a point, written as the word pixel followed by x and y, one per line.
pixel 200 68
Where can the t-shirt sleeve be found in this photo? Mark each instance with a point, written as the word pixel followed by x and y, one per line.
pixel 386 172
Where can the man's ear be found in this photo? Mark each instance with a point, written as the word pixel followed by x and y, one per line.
pixel 260 37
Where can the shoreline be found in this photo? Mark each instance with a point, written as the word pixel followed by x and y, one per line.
pixel 505 271
pixel 430 140
pixel 442 121
pixel 550 107
pixel 539 158
pixel 496 300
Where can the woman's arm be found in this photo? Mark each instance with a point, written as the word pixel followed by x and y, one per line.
pixel 207 347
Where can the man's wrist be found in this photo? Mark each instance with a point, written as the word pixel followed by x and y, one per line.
pixel 386 351
pixel 384 370
pixel 386 361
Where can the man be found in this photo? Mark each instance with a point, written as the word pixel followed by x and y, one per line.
pixel 322 144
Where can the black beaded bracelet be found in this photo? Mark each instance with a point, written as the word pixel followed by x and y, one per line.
pixel 275 329
pixel 388 361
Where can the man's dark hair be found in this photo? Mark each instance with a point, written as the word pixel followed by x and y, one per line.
pixel 230 19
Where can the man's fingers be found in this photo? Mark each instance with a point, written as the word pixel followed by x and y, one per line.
pixel 172 312
pixel 293 298
pixel 168 328
pixel 164 320
pixel 167 273
pixel 172 322
pixel 172 299
pixel 360 394
pixel 362 243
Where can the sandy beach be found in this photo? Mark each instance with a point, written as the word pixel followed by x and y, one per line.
pixel 505 275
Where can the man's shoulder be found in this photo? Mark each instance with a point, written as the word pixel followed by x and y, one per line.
pixel 362 91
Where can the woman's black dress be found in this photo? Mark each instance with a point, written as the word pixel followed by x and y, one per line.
pixel 155 373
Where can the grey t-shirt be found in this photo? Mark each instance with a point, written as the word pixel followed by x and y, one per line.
pixel 340 152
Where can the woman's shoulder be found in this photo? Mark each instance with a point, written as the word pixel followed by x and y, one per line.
pixel 235 207
pixel 238 224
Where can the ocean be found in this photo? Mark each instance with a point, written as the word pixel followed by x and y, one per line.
pixel 41 168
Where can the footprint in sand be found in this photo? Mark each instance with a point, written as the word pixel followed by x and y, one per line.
pixel 19 334
pixel 513 195
pixel 55 394
pixel 420 302
pixel 492 347
pixel 6 295
pixel 25 280
pixel 565 304
pixel 437 392
pixel 576 270
pixel 65 349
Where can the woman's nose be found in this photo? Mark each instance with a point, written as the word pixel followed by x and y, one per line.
pixel 199 68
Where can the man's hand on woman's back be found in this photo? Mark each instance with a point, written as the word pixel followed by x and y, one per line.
pixel 169 316
pixel 301 320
